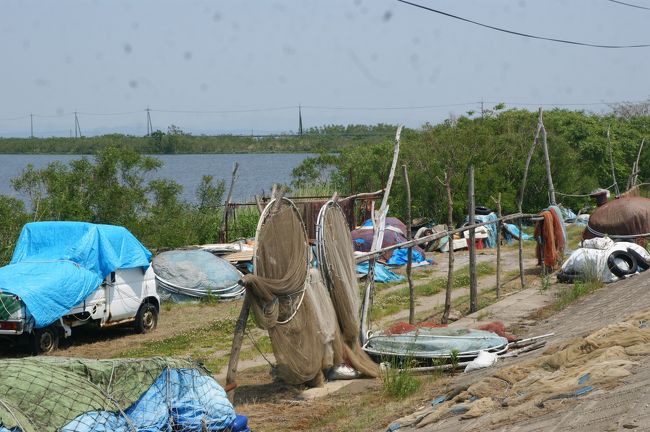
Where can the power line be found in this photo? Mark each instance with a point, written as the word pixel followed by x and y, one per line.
pixel 386 108
pixel 516 33
pixel 629 4
pixel 285 108
pixel 110 114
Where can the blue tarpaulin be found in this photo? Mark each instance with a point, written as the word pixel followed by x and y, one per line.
pixel 56 265
pixel 382 274
pixel 512 231
pixel 181 397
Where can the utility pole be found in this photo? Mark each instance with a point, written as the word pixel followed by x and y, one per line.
pixel 482 110
pixel 77 128
pixel 31 124
pixel 149 127
pixel 299 120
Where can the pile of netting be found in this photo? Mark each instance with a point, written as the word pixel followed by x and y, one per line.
pixel 81 395
pixel 311 329
pixel 537 386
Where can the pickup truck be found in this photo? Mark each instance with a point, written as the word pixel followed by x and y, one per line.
pixel 68 274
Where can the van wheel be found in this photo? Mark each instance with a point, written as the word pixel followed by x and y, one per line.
pixel 146 319
pixel 45 340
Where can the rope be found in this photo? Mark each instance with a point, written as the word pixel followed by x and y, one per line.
pixel 581 195
pixel 259 350
pixel 616 236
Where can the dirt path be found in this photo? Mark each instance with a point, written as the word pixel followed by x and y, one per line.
pixel 431 303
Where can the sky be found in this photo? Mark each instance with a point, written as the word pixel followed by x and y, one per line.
pixel 244 66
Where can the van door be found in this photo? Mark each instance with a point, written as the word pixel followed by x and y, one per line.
pixel 126 294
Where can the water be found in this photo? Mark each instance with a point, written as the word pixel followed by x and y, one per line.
pixel 256 173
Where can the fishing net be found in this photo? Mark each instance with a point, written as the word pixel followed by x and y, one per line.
pixel 337 265
pixel 81 395
pixel 289 299
pixel 535 387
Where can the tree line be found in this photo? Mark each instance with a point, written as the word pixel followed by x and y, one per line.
pixel 176 141
pixel 496 142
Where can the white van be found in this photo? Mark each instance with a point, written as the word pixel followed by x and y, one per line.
pixel 125 296
pixel 67 274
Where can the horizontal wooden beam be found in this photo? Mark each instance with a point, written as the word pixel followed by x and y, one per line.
pixel 435 236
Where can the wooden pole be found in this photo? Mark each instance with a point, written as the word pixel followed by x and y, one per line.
pixel 240 328
pixel 499 228
pixel 450 270
pixel 409 260
pixel 473 289
pixel 238 338
pixel 520 198
pixel 367 256
pixel 226 207
pixel 547 161
pixel 379 224
pixel 617 192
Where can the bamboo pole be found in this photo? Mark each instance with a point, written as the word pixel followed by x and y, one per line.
pixel 547 161
pixel 520 198
pixel 450 269
pixel 226 207
pixel 473 289
pixel 499 228
pixel 379 224
pixel 369 255
pixel 611 163
pixel 238 338
pixel 409 259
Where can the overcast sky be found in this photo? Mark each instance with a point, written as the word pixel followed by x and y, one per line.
pixel 344 61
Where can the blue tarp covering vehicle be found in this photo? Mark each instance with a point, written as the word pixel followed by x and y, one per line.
pixel 56 265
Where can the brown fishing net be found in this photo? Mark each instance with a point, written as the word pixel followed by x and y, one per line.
pixel 336 261
pixel 535 387
pixel 292 303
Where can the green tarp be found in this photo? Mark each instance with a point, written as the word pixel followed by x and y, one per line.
pixel 45 393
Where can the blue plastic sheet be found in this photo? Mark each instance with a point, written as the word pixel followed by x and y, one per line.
pixel 400 257
pixel 181 397
pixel 56 265
pixel 491 240
pixel 382 274
pixel 512 232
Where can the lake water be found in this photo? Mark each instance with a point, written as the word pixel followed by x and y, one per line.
pixel 256 173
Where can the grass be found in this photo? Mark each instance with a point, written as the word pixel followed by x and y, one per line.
pixel 398 382
pixel 207 345
pixel 393 302
pixel 572 293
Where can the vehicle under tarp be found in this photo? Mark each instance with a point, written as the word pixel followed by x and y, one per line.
pixel 56 265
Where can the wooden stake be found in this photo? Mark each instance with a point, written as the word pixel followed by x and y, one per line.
pixel 409 260
pixel 473 289
pixel 520 199
pixel 499 228
pixel 617 192
pixel 450 270
pixel 226 207
pixel 547 160
pixel 238 338
pixel 379 224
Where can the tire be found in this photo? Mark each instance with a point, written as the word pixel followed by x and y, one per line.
pixel 147 318
pixel 640 260
pixel 45 340
pixel 615 268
